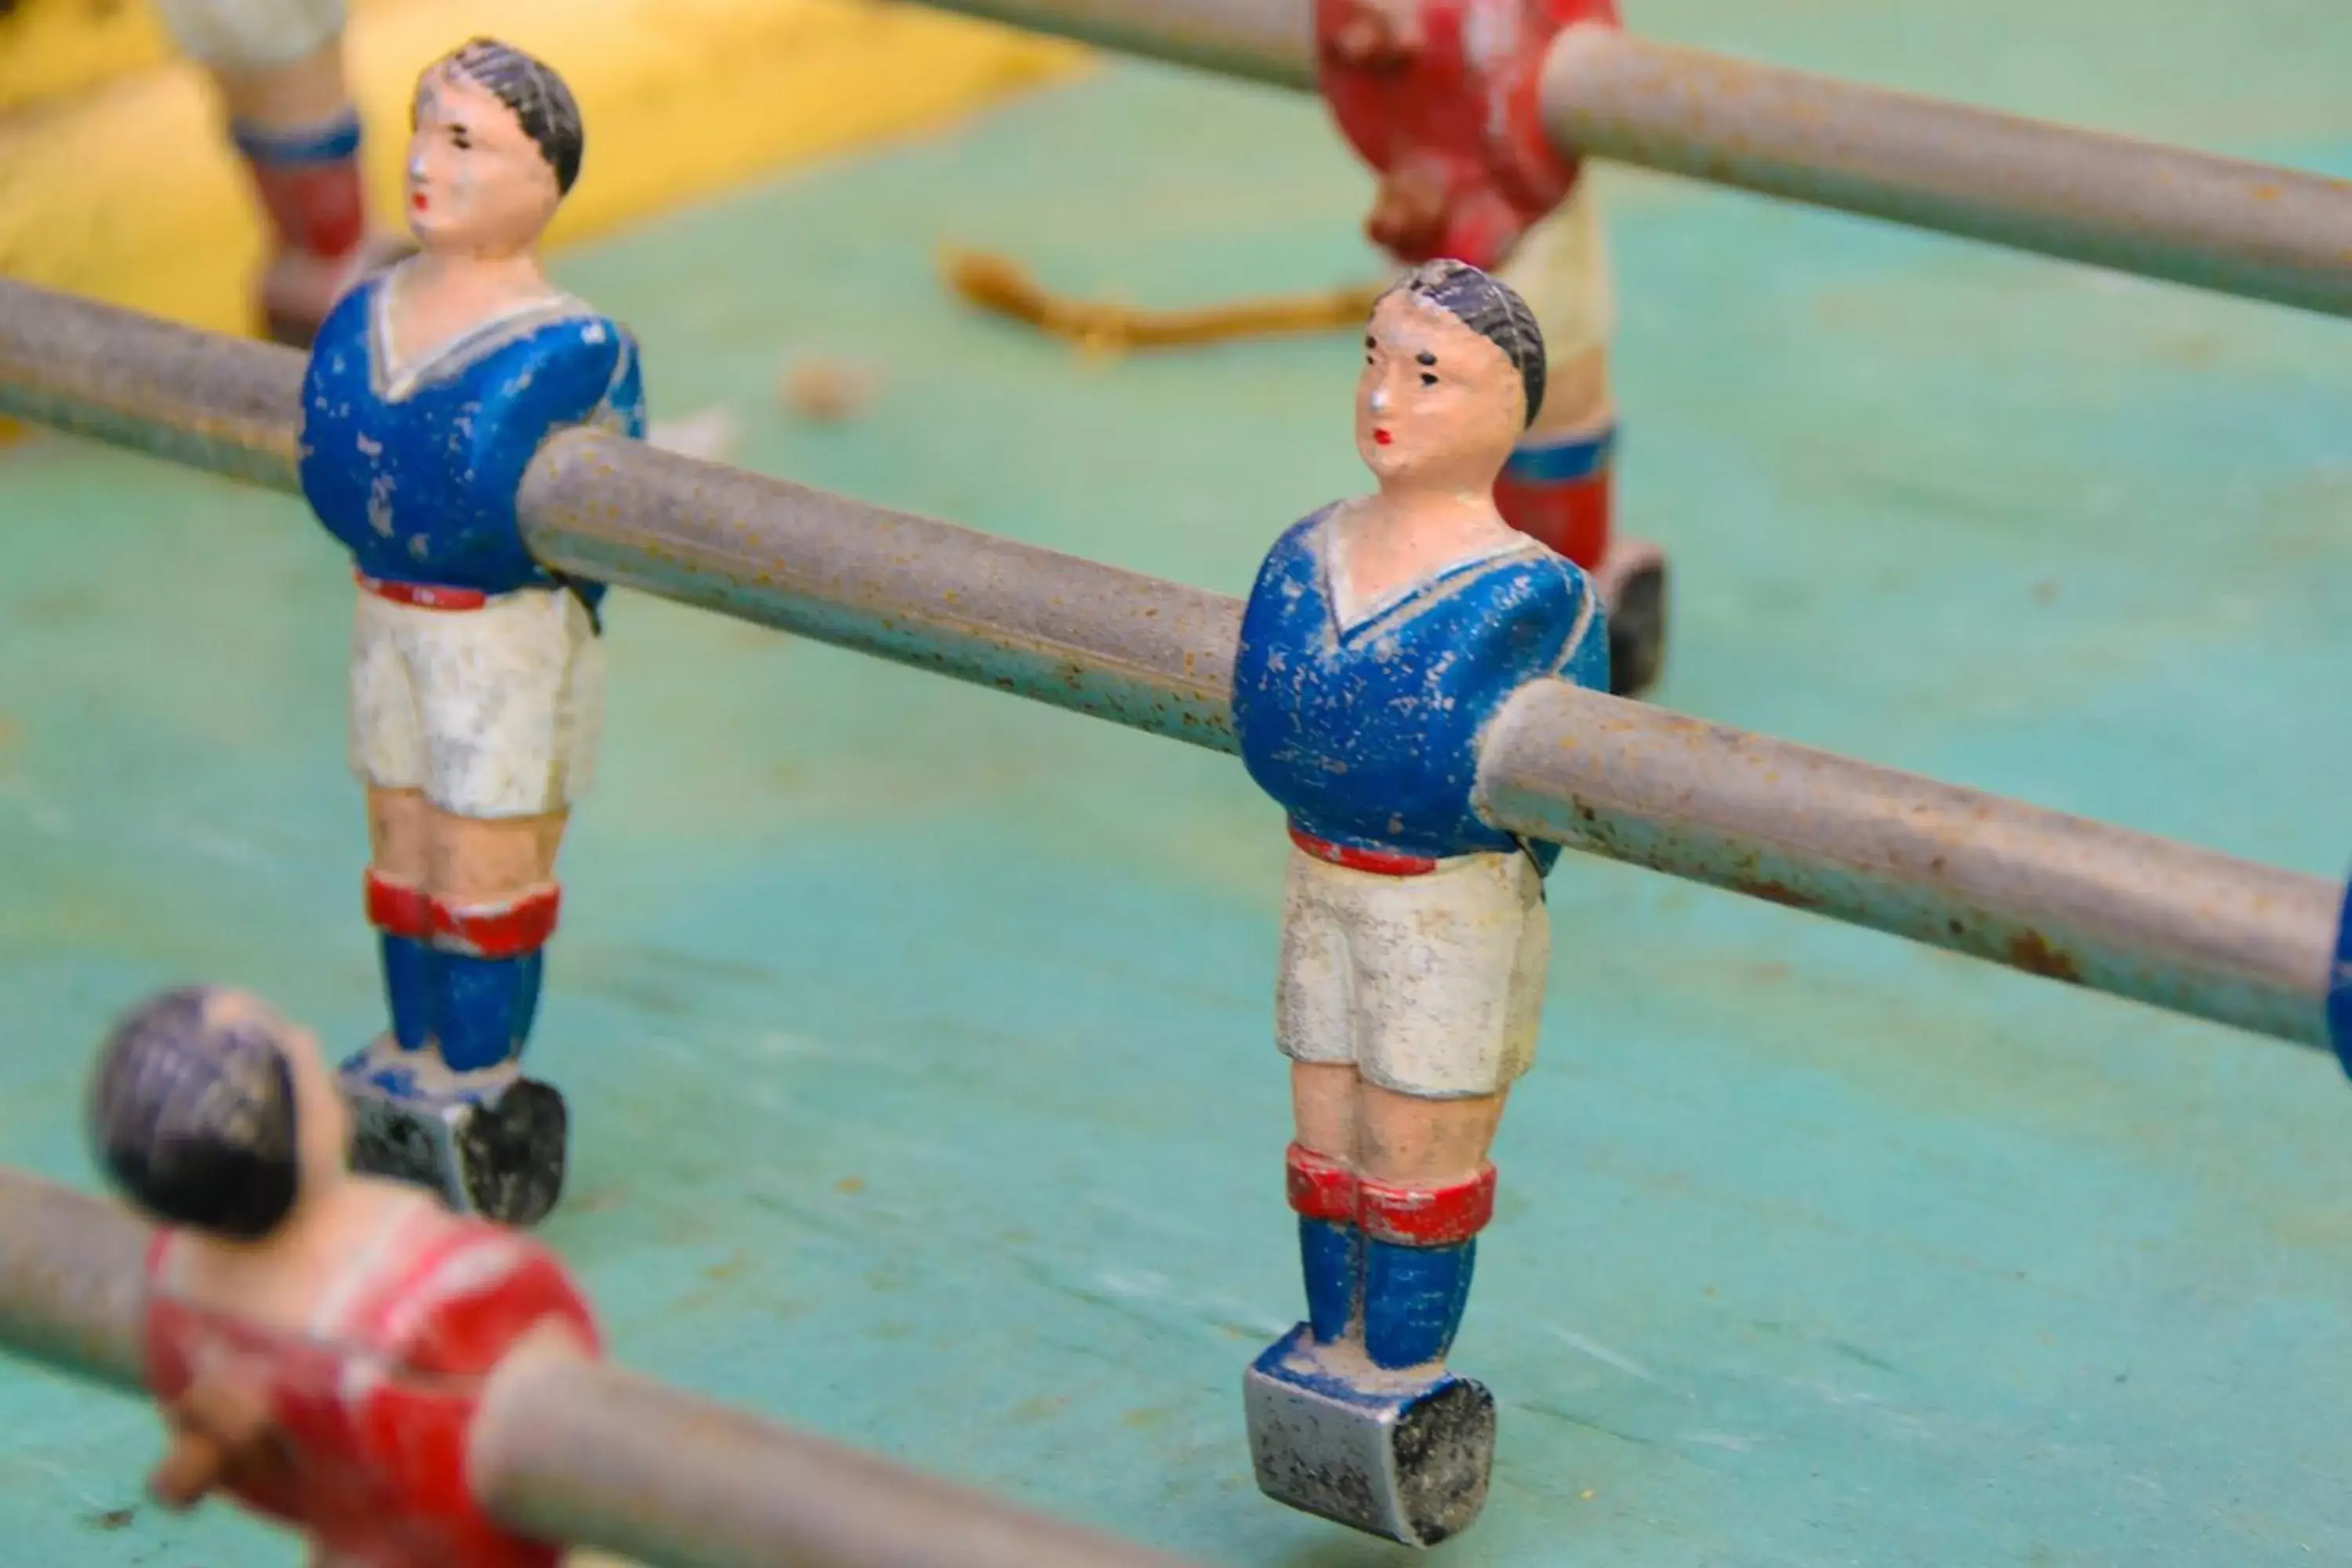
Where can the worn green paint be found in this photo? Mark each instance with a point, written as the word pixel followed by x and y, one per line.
pixel 918 1037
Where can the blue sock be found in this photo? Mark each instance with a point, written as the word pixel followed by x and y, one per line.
pixel 1414 1297
pixel 408 989
pixel 1333 1255
pixel 482 1008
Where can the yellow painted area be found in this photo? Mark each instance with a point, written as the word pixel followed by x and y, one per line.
pixel 127 192
pixel 51 48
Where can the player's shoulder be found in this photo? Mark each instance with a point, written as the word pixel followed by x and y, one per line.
pixel 471 1288
pixel 1300 537
pixel 1294 550
pixel 345 331
pixel 573 327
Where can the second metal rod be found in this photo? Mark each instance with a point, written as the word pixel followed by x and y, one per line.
pixel 2224 223
pixel 2137 206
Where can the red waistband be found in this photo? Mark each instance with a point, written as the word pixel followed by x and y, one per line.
pixel 424 595
pixel 1379 862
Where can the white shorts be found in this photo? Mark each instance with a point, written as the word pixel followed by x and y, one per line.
pixel 1429 985
pixel 251 34
pixel 492 712
pixel 1561 268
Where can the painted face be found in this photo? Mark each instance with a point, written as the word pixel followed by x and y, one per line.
pixel 1437 403
pixel 476 184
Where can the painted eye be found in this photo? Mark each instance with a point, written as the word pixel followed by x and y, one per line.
pixel 1427 379
pixel 458 139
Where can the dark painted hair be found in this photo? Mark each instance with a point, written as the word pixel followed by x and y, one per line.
pixel 192 1114
pixel 1488 307
pixel 542 105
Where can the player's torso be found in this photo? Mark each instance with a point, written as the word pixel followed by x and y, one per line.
pixel 1363 722
pixel 414 467
pixel 374 1443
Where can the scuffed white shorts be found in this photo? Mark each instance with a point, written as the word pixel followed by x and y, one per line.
pixel 1561 268
pixel 493 712
pixel 1429 985
pixel 251 34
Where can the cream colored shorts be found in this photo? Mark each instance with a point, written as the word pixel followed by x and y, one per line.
pixel 1561 268
pixel 1429 985
pixel 492 712
pixel 251 34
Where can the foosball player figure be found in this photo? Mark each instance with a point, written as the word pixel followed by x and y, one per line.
pixel 318 1341
pixel 1381 637
pixel 477 677
pixel 277 68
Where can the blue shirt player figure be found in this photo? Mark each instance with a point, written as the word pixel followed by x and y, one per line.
pixel 477 678
pixel 1383 636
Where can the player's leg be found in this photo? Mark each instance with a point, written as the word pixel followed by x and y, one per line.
pixel 278 68
pixel 1464 956
pixel 1314 1029
pixel 1559 484
pixel 495 899
pixel 387 753
pixel 1556 484
pixel 1427 1191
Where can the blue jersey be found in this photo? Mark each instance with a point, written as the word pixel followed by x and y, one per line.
pixel 1367 732
pixel 416 467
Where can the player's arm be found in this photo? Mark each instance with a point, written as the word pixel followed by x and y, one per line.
pixel 223 1432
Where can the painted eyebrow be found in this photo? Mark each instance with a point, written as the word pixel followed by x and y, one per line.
pixel 1425 357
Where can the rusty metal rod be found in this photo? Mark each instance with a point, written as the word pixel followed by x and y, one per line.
pixel 565 1450
pixel 1269 41
pixel 2184 928
pixel 2123 912
pixel 2223 224
pixel 2234 226
pixel 73 1275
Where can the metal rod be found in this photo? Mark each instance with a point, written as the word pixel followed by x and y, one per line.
pixel 2184 929
pixel 1269 41
pixel 2189 217
pixel 563 1450
pixel 568 1451
pixel 1149 654
pixel 2238 227
pixel 2127 913
pixel 72 1281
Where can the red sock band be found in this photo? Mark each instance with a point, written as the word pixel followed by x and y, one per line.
pixel 1321 1188
pixel 316 208
pixel 1571 516
pixel 506 929
pixel 398 907
pixel 1428 1216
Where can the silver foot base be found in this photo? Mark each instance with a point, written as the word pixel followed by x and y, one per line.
pixel 502 1158
pixel 1389 1453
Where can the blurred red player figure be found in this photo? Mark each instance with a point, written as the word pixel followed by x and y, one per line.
pixel 278 68
pixel 1437 95
pixel 319 1342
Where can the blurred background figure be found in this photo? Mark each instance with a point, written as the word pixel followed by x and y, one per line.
pixel 278 68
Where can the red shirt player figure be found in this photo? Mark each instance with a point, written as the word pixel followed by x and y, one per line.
pixel 277 67
pixel 319 1342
